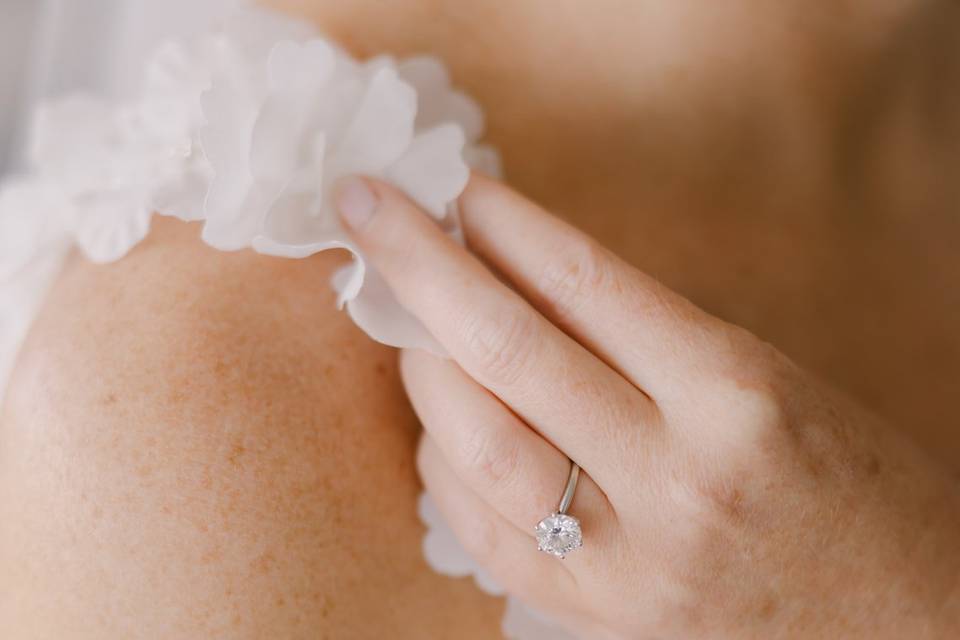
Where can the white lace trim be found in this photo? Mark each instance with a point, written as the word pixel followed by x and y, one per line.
pixel 246 128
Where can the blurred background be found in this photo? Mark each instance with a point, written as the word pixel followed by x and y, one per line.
pixel 49 48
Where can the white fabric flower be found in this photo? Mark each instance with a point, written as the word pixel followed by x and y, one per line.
pixel 278 142
pixel 89 153
pixel 247 129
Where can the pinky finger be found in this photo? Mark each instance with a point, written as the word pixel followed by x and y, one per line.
pixel 509 554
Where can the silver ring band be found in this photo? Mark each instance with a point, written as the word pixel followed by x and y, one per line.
pixel 571 489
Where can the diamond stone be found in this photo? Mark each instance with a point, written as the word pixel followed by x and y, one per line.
pixel 559 534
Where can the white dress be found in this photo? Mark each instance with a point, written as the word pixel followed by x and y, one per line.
pixel 241 119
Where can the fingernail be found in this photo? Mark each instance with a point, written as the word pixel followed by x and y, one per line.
pixel 355 201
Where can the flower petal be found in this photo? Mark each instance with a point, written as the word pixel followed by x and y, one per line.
pixel 445 554
pixel 111 224
pixel 439 102
pixel 375 310
pixel 382 127
pixel 432 170
pixel 297 73
pixel 231 112
pixel 300 68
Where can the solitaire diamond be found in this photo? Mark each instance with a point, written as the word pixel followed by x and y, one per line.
pixel 559 534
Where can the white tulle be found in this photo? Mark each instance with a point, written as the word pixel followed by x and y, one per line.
pixel 246 129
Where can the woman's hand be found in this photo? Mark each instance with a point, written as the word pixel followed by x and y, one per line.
pixel 724 493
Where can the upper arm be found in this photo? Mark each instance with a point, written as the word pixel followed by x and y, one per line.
pixel 197 444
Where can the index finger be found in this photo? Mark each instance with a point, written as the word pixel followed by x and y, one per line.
pixel 657 338
pixel 559 388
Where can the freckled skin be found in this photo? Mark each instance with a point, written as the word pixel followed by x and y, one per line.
pixel 196 445
pixel 223 455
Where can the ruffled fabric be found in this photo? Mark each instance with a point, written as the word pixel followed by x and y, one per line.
pixel 446 555
pixel 246 129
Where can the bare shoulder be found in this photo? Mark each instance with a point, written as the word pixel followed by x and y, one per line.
pixel 198 444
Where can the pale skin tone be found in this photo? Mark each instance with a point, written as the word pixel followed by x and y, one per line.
pixel 726 494
pixel 195 444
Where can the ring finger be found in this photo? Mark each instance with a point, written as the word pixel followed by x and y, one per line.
pixel 489 539
pixel 504 461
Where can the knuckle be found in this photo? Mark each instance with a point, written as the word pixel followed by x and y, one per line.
pixel 489 457
pixel 499 344
pixel 756 406
pixel 752 358
pixel 744 461
pixel 754 384
pixel 575 275
pixel 750 440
